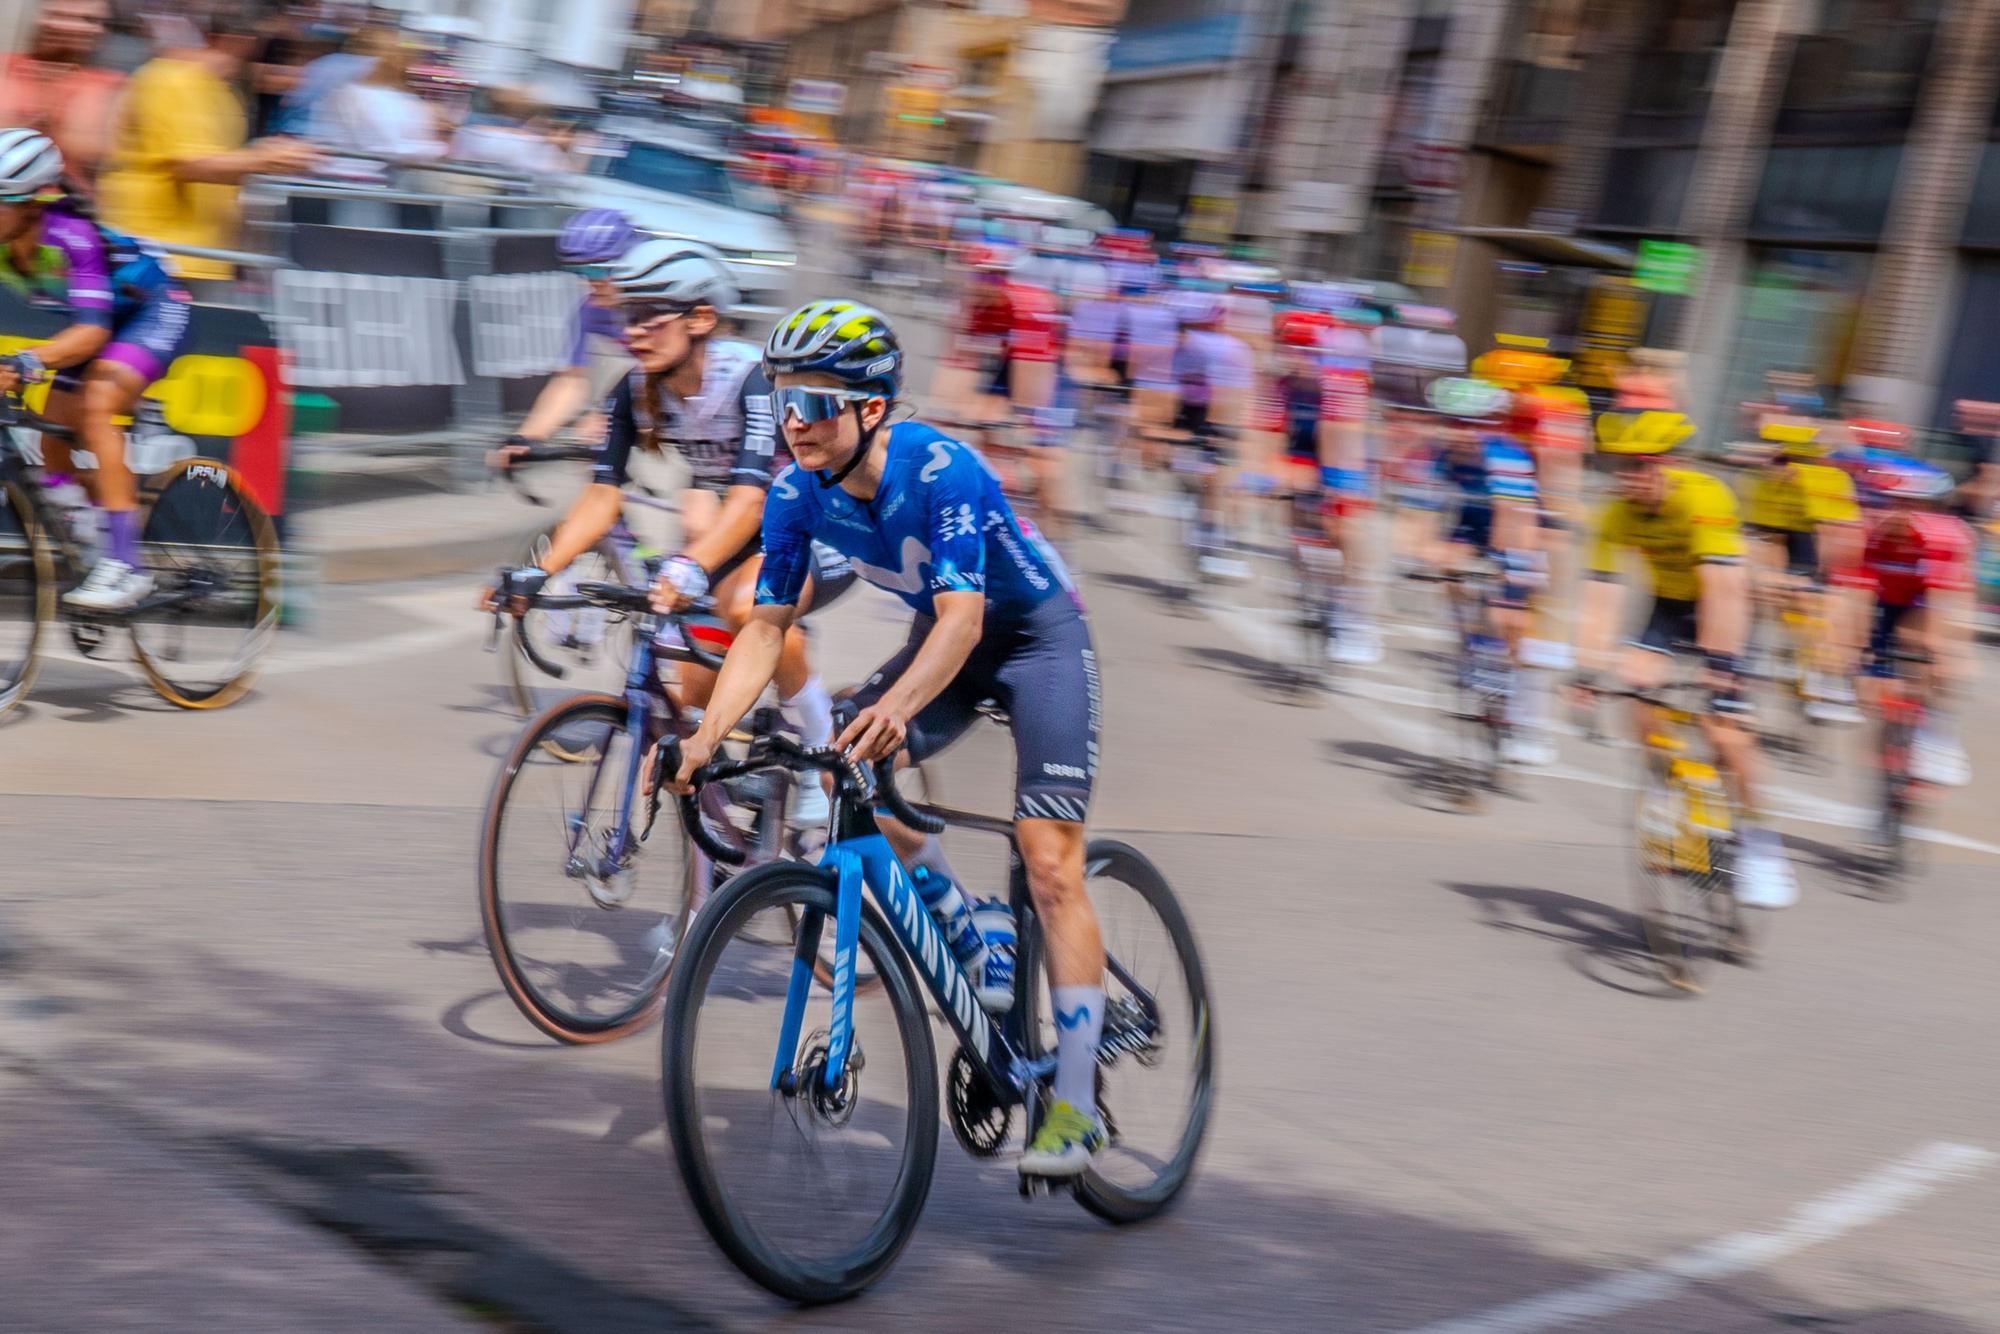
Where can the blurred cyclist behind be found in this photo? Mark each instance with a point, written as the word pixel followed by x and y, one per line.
pixel 1916 568
pixel 1213 376
pixel 1803 515
pixel 1346 440
pixel 589 245
pixel 707 397
pixel 1684 523
pixel 128 320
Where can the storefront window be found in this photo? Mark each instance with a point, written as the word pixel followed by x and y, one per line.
pixel 1835 192
pixel 1800 312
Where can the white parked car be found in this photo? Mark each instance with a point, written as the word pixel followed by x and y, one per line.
pixel 676 182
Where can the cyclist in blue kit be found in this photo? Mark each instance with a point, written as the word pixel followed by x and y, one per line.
pixel 919 515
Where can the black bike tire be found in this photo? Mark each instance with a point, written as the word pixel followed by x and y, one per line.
pixel 15 497
pixel 563 1027
pixel 790 884
pixel 1113 1203
pixel 1683 962
pixel 265 539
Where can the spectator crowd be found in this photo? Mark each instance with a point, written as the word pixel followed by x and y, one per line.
pixel 162 115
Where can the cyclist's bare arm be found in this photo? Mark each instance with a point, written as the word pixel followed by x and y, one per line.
pixel 735 525
pixel 74 346
pixel 749 666
pixel 1722 614
pixel 588 520
pixel 561 402
pixel 1598 622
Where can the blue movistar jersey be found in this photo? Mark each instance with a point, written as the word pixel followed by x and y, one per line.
pixel 938 524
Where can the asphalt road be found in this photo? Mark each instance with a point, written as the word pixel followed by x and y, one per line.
pixel 257 1072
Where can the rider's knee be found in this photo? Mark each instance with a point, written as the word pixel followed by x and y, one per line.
pixel 102 399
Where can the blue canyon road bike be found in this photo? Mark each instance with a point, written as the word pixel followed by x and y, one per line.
pixel 804 1118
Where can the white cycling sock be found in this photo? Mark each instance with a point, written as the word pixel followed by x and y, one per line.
pixel 1079 1024
pixel 811 711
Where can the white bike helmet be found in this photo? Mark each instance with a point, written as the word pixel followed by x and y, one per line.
pixel 29 161
pixel 680 273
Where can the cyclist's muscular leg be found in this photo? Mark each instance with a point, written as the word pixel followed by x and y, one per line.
pixel 1052 852
pixel 110 389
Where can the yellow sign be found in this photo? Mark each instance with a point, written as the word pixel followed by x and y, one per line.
pixel 1430 258
pixel 199 395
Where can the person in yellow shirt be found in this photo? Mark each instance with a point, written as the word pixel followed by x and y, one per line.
pixel 177 151
pixel 1807 523
pixel 1684 524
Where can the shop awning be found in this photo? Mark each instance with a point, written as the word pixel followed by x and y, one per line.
pixel 1554 247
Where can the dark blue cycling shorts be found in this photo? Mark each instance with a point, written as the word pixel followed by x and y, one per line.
pixel 1043 672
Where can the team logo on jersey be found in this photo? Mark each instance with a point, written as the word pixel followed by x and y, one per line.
pixel 940 460
pixel 908 577
pixel 781 485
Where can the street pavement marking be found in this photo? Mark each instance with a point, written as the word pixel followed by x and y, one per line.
pixel 1888 1191
pixel 1254 627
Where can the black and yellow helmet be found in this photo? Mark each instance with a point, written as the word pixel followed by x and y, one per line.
pixel 1651 432
pixel 841 338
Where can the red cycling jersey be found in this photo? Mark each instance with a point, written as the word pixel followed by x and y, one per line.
pixel 1024 316
pixel 1912 554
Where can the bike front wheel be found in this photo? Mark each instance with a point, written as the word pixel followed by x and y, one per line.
pixel 1687 903
pixel 1156 1062
pixel 27 594
pixel 583 933
pixel 213 554
pixel 811 1191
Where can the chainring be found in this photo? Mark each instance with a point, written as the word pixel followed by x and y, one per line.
pixel 978 1122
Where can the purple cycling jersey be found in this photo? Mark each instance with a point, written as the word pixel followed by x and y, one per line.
pixel 72 268
pixel 1209 360
pixel 1094 321
pixel 593 320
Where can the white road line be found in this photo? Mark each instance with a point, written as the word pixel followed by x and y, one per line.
pixel 1875 1197
pixel 1255 630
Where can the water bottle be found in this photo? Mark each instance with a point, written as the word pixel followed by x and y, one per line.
pixel 948 910
pixel 994 921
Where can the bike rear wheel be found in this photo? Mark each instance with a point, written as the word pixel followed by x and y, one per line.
pixel 812 1193
pixel 213 555
pixel 1156 1067
pixel 584 955
pixel 27 594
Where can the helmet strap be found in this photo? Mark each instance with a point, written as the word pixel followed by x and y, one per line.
pixel 868 434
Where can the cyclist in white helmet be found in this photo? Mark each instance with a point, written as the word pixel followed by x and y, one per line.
pixel 706 396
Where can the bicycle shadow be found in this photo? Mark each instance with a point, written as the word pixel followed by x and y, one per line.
pixel 1278 680
pixel 1430 783
pixel 1172 596
pixel 1602 943
pixel 1857 874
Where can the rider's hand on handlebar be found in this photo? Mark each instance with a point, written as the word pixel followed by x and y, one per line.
pixel 512 450
pixel 682 581
pixel 517 588
pixel 696 751
pixel 876 733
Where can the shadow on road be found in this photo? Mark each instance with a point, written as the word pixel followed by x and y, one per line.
pixel 1174 597
pixel 1603 942
pixel 1858 873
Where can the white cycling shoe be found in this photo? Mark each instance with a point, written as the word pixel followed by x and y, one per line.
pixel 111 585
pixel 1940 760
pixel 1764 878
pixel 1355 645
pixel 1527 751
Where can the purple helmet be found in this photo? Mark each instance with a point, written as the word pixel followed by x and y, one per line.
pixel 596 236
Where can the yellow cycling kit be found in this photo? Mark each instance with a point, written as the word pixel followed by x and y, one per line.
pixel 1695 522
pixel 1799 497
